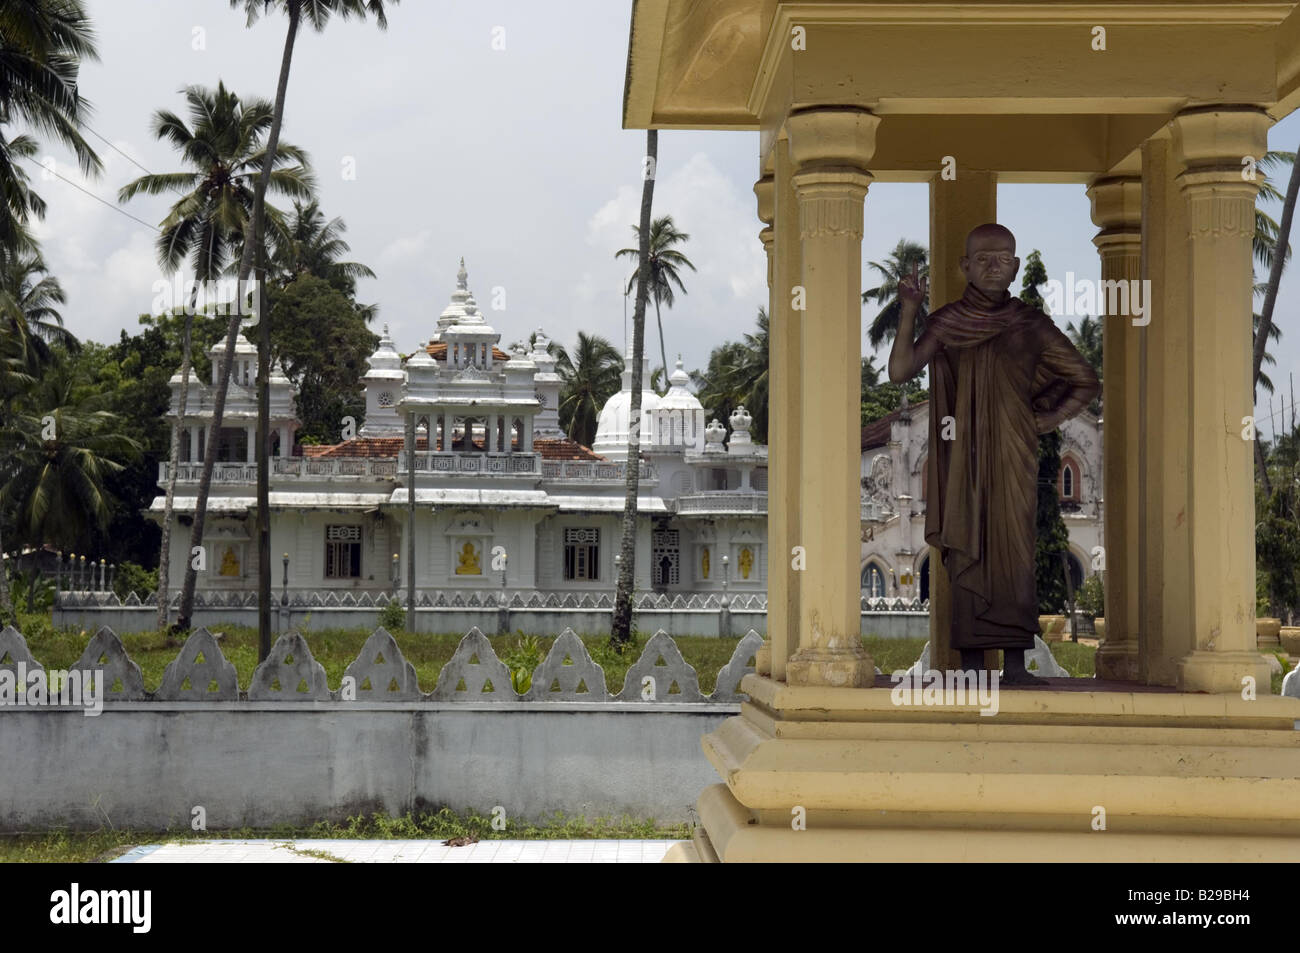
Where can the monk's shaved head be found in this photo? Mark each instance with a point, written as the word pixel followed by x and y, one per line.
pixel 990 230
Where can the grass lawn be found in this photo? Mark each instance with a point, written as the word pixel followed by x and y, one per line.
pixel 103 845
pixel 335 649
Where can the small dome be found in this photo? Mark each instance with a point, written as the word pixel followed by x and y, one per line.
pixel 385 357
pixel 612 426
pixel 678 397
pixel 420 358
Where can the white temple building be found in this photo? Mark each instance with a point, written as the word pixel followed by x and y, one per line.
pixel 504 500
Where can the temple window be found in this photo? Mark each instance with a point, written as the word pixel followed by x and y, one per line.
pixel 581 553
pixel 1069 480
pixel 873 581
pixel 342 552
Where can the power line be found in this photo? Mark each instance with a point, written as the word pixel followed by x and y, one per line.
pixel 106 204
pixel 116 149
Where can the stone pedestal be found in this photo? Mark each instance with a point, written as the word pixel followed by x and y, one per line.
pixel 826 774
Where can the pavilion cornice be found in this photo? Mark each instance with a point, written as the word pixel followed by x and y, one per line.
pixel 728 64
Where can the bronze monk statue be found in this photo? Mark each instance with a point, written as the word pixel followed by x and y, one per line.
pixel 1003 373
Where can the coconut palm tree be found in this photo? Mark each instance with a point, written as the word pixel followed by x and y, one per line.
pixel 221 149
pixel 591 375
pixel 317 13
pixel 313 246
pixel 666 264
pixel 15 379
pixel 1266 228
pixel 896 267
pixel 42 44
pixel 1264 382
pixel 61 447
pixel 738 374
pixel 29 299
pixel 1263 330
pixel 621 624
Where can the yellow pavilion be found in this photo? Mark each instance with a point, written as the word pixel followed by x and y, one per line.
pixel 1161 110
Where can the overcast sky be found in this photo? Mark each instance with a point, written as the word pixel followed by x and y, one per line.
pixel 514 158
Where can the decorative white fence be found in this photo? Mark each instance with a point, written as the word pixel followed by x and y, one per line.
pixel 380 673
pixel 499 464
pixel 472 599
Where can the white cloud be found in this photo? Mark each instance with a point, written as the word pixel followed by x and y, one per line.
pixel 405 249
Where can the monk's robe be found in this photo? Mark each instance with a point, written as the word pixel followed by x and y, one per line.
pixel 997 363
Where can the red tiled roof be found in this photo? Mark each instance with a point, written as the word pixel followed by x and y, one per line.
pixel 564 449
pixel 559 449
pixel 876 433
pixel 438 351
pixel 364 447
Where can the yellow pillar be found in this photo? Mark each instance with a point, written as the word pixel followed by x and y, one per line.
pixel 785 445
pixel 1117 211
pixel 765 193
pixel 1164 543
pixel 830 149
pixel 1208 146
pixel 956 206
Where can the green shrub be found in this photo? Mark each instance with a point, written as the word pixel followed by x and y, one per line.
pixel 1091 597
pixel 393 617
pixel 522 660
pixel 131 578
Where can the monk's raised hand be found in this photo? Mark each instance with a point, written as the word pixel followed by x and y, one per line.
pixel 912 289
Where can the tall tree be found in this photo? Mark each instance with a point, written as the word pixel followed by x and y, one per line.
pixel 738 374
pixel 1281 237
pixel 42 44
pixel 63 445
pixel 1053 540
pixel 312 245
pixel 897 266
pixel 591 375
pixel 1087 338
pixel 621 630
pixel 220 148
pixel 321 339
pixel 318 14
pixel 29 300
pixel 666 263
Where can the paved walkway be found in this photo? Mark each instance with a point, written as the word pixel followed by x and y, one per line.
pixel 400 851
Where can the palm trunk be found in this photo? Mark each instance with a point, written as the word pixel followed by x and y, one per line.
pixel 1270 298
pixel 252 239
pixel 1262 465
pixel 173 461
pixel 7 614
pixel 263 465
pixel 663 354
pixel 621 633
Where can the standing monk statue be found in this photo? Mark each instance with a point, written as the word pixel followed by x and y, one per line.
pixel 1001 373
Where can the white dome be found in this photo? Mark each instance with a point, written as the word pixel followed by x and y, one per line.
pixel 611 428
pixel 678 397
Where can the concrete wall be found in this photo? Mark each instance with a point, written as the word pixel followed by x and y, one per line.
pixel 706 622
pixel 148 764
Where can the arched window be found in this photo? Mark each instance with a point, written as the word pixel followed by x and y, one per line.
pixel 873 581
pixel 1069 484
